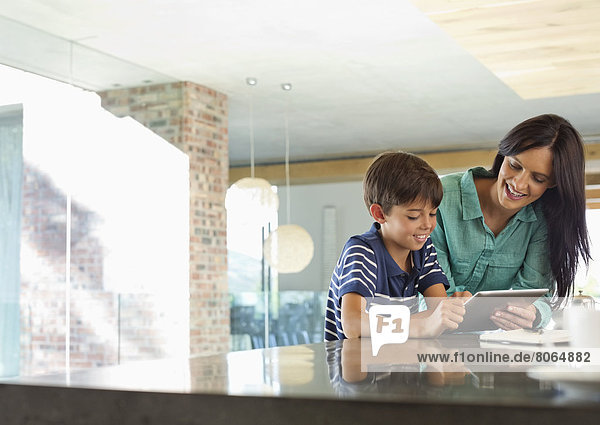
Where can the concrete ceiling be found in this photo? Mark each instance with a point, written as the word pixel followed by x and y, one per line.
pixel 366 76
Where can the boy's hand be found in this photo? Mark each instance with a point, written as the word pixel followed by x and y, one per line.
pixel 447 314
pixel 463 294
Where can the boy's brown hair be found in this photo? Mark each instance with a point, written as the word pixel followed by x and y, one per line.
pixel 398 178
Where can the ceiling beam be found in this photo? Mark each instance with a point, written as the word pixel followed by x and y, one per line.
pixel 353 169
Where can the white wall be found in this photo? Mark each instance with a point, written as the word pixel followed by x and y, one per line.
pixel 307 204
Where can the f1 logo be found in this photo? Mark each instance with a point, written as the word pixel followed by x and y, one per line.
pixel 388 324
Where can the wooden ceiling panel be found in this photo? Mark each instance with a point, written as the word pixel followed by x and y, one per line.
pixel 538 48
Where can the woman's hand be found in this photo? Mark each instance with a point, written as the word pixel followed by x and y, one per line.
pixel 515 317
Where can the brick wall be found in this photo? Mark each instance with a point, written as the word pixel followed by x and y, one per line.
pixel 194 118
pixel 43 232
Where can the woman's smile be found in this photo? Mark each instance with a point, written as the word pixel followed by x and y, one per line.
pixel 513 194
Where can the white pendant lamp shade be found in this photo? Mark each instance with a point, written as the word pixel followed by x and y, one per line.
pixel 288 249
pixel 253 195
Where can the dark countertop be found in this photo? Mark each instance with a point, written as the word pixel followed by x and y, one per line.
pixel 338 382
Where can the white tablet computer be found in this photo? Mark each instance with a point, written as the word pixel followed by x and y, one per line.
pixel 482 305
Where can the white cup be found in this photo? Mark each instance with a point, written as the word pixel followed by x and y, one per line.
pixel 583 325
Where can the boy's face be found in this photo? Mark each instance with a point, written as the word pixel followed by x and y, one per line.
pixel 408 226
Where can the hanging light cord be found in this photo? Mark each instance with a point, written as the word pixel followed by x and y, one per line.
pixel 287 162
pixel 251 117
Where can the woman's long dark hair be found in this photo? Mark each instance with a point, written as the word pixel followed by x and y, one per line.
pixel 563 204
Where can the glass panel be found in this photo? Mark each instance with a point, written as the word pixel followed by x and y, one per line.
pixel 292 317
pixel 43 260
pixel 129 250
pixel 64 60
pixel 588 281
pixel 109 198
pixel 250 280
pixel 11 171
pixel 295 317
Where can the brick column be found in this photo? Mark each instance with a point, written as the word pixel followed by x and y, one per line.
pixel 194 118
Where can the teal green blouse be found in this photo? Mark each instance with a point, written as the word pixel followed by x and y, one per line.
pixel 474 259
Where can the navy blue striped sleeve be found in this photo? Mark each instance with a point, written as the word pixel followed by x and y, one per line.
pixel 356 271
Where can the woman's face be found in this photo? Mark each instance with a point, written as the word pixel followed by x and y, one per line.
pixel 524 178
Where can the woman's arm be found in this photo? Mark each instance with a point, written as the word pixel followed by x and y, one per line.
pixel 534 273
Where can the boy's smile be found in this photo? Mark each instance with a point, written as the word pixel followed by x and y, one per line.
pixel 422 238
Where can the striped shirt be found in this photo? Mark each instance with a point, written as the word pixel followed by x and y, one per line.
pixel 365 267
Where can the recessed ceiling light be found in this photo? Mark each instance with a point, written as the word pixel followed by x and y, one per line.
pixel 147 81
pixel 251 81
pixel 286 86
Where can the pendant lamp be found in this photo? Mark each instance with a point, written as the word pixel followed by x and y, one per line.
pixel 253 195
pixel 290 248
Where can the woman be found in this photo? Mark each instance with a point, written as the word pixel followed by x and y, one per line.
pixel 521 224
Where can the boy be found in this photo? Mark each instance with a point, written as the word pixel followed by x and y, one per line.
pixel 395 259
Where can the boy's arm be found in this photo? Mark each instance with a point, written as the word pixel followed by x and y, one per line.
pixel 433 295
pixel 438 291
pixel 354 315
pixel 442 313
pixel 355 279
